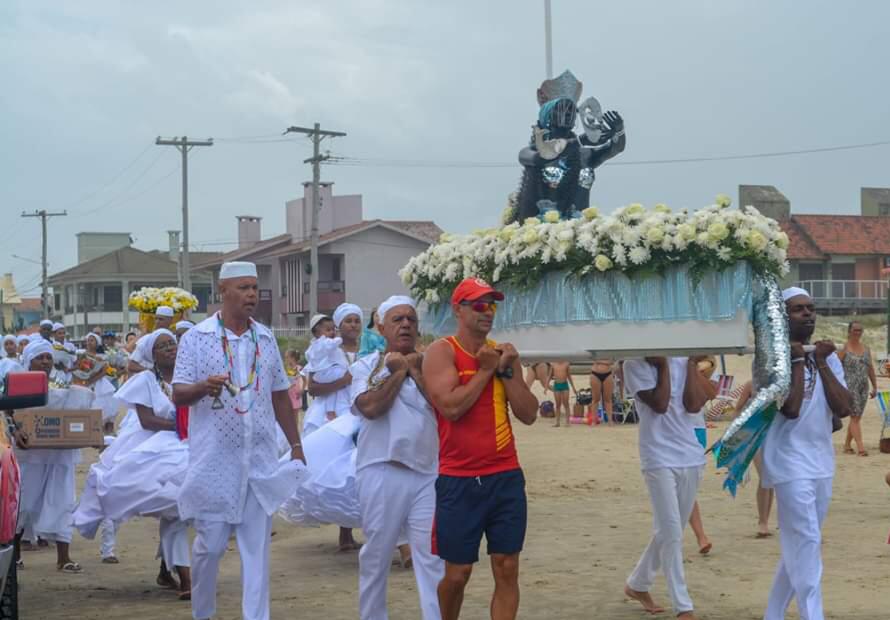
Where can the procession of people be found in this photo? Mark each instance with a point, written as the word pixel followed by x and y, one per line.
pixel 415 449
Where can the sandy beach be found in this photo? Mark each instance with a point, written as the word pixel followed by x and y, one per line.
pixel 589 520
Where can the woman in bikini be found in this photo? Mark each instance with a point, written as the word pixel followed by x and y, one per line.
pixel 542 372
pixel 602 385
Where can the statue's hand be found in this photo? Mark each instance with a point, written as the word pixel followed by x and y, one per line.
pixel 614 121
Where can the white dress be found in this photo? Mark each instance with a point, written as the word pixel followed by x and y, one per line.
pixel 140 474
pixel 328 494
pixel 47 476
pixel 338 402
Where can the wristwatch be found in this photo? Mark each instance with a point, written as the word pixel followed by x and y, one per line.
pixel 506 373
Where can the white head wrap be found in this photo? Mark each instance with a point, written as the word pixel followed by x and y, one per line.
pixel 164 311
pixel 57 327
pixel 9 337
pixel 184 325
pixel 794 291
pixel 237 269
pixel 143 354
pixel 24 338
pixel 94 337
pixel 34 349
pixel 392 302
pixel 344 310
pixel 46 323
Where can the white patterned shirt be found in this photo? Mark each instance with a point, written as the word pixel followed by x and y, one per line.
pixel 229 451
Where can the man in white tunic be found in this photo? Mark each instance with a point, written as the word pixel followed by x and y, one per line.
pixel 669 392
pixel 798 461
pixel 230 372
pixel 397 463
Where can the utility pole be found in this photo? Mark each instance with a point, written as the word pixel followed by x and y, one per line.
pixel 184 145
pixel 43 214
pixel 548 40
pixel 317 134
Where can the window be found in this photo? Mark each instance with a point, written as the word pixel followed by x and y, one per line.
pixel 112 301
pixel 811 271
pixel 884 208
pixel 335 270
pixel 96 297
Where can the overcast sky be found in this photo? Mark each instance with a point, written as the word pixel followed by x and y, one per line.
pixel 87 86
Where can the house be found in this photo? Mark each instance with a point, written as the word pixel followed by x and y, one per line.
pixel 27 314
pixel 95 291
pixel 9 301
pixel 842 260
pixel 358 259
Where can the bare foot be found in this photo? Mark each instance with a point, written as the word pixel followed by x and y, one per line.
pixel 686 615
pixel 644 599
pixel 705 547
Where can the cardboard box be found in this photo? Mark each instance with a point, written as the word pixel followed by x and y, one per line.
pixel 62 428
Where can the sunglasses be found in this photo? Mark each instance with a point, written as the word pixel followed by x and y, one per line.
pixel 481 306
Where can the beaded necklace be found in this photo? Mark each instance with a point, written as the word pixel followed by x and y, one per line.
pixel 252 378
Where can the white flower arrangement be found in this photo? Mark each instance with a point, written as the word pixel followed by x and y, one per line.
pixel 148 298
pixel 631 240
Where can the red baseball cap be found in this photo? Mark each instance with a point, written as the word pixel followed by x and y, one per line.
pixel 472 289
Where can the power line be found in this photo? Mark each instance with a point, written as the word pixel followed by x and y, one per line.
pixel 113 179
pixel 43 214
pixel 417 163
pixel 117 198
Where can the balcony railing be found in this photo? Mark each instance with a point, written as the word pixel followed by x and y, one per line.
pixel 843 295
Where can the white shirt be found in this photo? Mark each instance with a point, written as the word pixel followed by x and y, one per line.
pixel 666 439
pixel 801 449
pixel 316 413
pixel 231 452
pixel 406 434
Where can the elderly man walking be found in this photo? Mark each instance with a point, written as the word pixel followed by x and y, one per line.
pixel 229 371
pixel 396 464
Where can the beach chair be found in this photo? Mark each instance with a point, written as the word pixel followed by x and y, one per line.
pixel 725 400
pixel 883 399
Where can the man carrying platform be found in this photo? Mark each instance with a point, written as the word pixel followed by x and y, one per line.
pixel 481 489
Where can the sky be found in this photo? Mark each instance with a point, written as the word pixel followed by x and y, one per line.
pixel 87 87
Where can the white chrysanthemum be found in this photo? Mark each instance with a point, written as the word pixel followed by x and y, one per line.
pixel 655 235
pixel 686 232
pixel 551 217
pixel 724 254
pixel 782 240
pixel 723 200
pixel 638 255
pixel 718 231
pixel 590 213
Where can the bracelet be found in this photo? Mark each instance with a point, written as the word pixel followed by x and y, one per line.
pixel 798 360
pixel 296 445
pixel 822 366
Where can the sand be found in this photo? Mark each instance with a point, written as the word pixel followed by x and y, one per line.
pixel 589 519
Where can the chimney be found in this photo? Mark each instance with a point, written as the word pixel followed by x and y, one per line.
pixel 248 231
pixel 766 199
pixel 173 241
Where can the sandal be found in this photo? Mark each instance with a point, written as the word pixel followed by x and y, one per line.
pixel 185 595
pixel 167 581
pixel 71 568
pixel 863 453
pixel 849 451
pixel 110 560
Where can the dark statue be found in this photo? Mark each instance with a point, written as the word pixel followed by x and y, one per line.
pixel 558 164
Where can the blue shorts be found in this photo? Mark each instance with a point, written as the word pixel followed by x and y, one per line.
pixel 467 508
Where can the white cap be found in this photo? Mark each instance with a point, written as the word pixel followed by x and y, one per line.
pixel 392 302
pixel 237 269
pixel 57 327
pixel 184 325
pixel 318 318
pixel 46 323
pixel 164 311
pixel 794 291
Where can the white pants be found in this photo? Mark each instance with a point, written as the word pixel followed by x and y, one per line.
pixel 672 492
pixel 47 501
pixel 253 535
pixel 802 507
pixel 174 545
pixel 108 538
pixel 395 501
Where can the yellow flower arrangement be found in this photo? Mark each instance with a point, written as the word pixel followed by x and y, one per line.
pixel 147 299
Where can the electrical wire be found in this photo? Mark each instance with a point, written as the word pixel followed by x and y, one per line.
pixel 416 163
pixel 113 179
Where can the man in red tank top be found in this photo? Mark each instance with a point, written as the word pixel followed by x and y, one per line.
pixel 473 382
